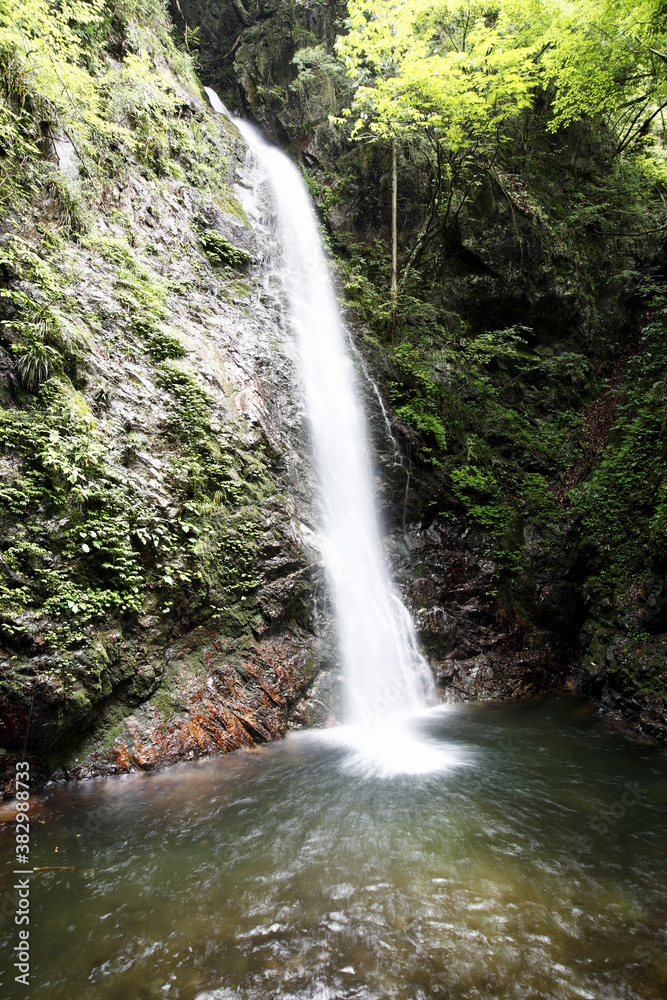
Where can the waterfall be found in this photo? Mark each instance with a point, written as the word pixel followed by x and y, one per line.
pixel 385 674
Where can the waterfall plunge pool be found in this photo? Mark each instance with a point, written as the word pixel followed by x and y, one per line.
pixel 534 867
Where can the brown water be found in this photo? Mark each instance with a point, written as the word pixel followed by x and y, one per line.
pixel 536 868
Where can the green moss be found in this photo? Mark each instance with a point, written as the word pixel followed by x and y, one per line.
pixel 54 68
pixel 191 403
pixel 163 703
pixel 634 666
pixel 163 346
pixel 109 736
pixel 143 296
pixel 221 252
pixel 113 249
pixel 228 202
pixel 90 545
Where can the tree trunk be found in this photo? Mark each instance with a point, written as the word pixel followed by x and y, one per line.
pixel 242 13
pixel 394 237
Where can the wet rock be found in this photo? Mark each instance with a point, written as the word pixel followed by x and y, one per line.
pixel 323 704
pixel 214 700
pixel 146 688
pixel 478 646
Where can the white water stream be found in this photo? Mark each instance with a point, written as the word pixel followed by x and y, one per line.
pixel 386 676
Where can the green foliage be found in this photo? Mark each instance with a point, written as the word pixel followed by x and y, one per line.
pixel 323 194
pixel 473 398
pixel 477 94
pixel 74 215
pixel 365 283
pixel 226 552
pixel 623 502
pixel 36 362
pixel 82 543
pixel 221 252
pixel 164 346
pixel 93 530
pixel 482 498
pixel 113 249
pixel 192 410
pixel 143 296
pixel 58 83
pixel 609 59
pixel 41 47
pixel 144 100
pixel 321 83
pixel 40 333
pixel 463 70
pixel 458 69
pixel 415 398
pixel 62 469
pixel 492 413
pixel 539 501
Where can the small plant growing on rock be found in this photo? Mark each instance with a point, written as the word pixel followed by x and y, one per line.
pixel 163 346
pixel 221 252
pixel 35 362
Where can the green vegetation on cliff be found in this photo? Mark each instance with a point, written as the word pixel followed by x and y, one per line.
pixel 559 114
pixel 531 189
pixel 623 508
pixel 134 496
pixel 522 361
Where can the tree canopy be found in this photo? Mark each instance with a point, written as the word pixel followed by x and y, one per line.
pixel 464 68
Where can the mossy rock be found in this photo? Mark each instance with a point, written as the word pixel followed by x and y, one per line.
pixel 221 252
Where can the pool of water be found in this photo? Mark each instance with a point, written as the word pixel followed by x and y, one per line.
pixel 530 863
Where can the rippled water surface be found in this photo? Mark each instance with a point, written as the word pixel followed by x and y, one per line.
pixel 533 867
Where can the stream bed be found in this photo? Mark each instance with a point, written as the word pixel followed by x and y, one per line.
pixel 532 865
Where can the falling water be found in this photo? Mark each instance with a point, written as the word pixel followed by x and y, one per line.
pixel 384 671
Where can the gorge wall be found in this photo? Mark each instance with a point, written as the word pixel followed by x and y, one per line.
pixel 161 590
pixel 155 472
pixel 524 382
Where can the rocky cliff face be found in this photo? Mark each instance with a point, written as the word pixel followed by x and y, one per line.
pixel 157 575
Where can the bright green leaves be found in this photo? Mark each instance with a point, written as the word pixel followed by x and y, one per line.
pixel 192 410
pixel 163 346
pixel 43 43
pixel 41 333
pixel 455 69
pixel 63 86
pixel 143 100
pixel 609 58
pixel 35 361
pixel 482 498
pixel 143 295
pixel 462 69
pixel 416 398
pixel 221 252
